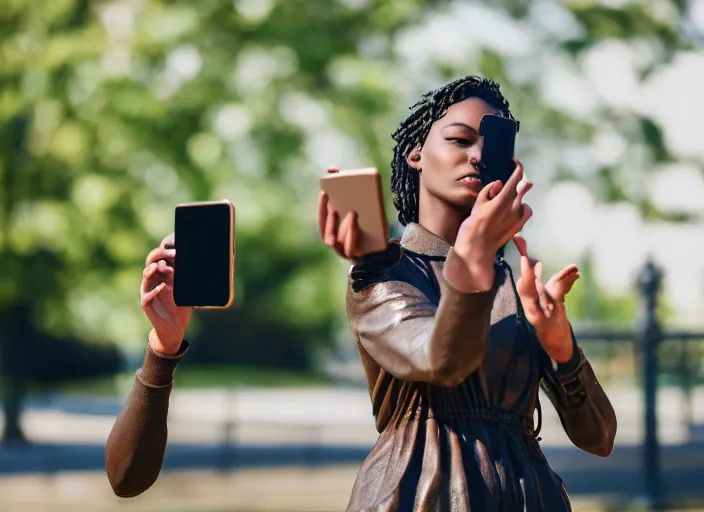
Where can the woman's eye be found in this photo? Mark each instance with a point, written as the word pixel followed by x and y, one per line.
pixel 460 141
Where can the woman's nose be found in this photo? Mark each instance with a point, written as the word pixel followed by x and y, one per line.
pixel 475 154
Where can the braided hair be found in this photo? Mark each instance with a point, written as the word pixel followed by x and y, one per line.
pixel 411 133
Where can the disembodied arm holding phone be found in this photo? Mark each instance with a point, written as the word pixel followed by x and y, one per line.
pixel 395 321
pixel 135 448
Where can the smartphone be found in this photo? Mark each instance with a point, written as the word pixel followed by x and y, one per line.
pixel 499 145
pixel 360 191
pixel 204 267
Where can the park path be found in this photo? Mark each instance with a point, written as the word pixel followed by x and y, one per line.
pixel 320 415
pixel 278 430
pixel 265 490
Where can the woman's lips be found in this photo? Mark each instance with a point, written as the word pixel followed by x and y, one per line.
pixel 472 182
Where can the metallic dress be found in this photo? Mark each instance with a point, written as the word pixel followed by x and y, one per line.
pixel 445 444
pixel 449 442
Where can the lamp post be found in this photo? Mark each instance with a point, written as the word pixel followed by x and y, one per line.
pixel 650 335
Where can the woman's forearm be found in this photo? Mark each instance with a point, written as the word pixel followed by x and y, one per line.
pixel 584 409
pixel 413 339
pixel 135 448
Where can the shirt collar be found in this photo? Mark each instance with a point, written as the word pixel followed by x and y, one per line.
pixel 419 240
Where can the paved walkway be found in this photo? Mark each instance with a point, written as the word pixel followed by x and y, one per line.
pixel 316 430
pixel 270 490
pixel 316 415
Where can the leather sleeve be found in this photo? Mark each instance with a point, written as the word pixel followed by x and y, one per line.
pixel 135 448
pixel 582 405
pixel 412 338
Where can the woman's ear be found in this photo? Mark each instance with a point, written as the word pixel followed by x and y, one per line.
pixel 414 159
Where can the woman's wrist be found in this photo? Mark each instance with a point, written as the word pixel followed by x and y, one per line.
pixel 559 343
pixel 469 272
pixel 158 346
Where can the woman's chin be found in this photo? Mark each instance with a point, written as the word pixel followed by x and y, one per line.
pixel 465 198
pixel 465 205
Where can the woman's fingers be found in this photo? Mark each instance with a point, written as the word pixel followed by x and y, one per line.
pixel 344 227
pixel 161 253
pixel 528 277
pixel 546 301
pixel 149 271
pixel 510 199
pixel 154 274
pixel 522 191
pixel 333 232
pixel 342 234
pixel 164 268
pixel 166 272
pixel 567 284
pixel 322 213
pixel 489 192
pixel 147 275
pixel 510 190
pixel 532 287
pixel 527 213
pixel 350 240
pixel 521 245
pixel 149 297
pixel 347 236
pixel 500 209
pixel 339 236
pixel 565 272
pixel 538 266
pixel 535 266
pixel 331 223
pixel 561 283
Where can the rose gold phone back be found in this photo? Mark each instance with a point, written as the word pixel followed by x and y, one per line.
pixel 360 191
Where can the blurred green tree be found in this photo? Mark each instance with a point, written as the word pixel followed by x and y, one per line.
pixel 111 113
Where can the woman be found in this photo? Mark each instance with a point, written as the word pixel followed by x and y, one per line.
pixel 135 448
pixel 453 350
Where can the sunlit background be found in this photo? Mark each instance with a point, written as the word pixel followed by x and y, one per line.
pixel 112 113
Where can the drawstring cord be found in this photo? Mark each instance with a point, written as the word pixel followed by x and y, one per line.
pixel 521 321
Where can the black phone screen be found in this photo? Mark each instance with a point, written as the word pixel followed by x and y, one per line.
pixel 499 144
pixel 203 236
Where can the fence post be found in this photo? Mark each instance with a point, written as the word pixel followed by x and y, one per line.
pixel 227 456
pixel 650 336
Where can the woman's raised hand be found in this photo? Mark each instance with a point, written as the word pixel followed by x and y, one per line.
pixel 169 321
pixel 497 216
pixel 340 236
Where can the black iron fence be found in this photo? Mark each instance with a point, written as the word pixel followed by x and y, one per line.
pixel 654 357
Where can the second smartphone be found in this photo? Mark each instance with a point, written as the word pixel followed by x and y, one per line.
pixel 204 236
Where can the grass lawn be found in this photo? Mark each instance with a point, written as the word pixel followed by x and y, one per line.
pixel 209 377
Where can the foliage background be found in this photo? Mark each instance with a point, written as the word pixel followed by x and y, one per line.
pixel 111 113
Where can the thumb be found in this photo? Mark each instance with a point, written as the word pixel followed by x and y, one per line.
pixel 561 283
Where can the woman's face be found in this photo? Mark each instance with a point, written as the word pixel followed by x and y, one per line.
pixel 449 155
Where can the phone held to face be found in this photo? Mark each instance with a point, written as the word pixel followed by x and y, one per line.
pixel 499 145
pixel 360 191
pixel 204 236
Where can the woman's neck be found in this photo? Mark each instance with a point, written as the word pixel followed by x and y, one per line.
pixel 439 218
